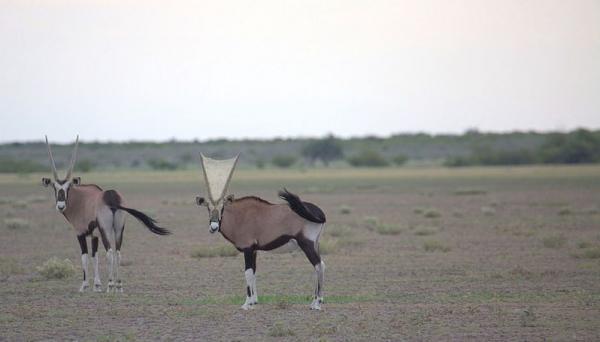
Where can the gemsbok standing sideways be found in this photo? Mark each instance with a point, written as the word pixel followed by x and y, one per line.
pixel 92 212
pixel 252 224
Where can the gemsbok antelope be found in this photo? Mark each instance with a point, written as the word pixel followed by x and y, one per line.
pixel 92 212
pixel 252 224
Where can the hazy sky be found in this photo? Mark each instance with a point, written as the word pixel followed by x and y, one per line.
pixel 120 70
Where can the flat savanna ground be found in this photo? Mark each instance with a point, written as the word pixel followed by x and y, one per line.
pixel 411 254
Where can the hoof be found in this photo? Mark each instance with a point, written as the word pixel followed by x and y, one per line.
pixel 316 304
pixel 110 287
pixel 97 287
pixel 247 306
pixel 83 288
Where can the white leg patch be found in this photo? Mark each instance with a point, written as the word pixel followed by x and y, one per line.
pixel 97 282
pixel 249 274
pixel 84 266
pixel 110 258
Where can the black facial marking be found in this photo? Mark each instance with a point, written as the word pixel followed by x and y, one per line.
pixel 61 195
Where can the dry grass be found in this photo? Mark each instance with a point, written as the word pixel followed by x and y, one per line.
pixel 214 251
pixel 280 330
pixel 338 230
pixel 432 213
pixel 488 211
pixel 425 231
pixel 470 192
pixel 345 210
pixel 435 246
pixel 54 268
pixel 554 241
pixel 16 223
pixel 388 229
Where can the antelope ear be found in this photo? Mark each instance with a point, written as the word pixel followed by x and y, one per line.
pixel 76 180
pixel 46 182
pixel 200 200
pixel 230 198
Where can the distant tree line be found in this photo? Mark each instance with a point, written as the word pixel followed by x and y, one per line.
pixel 580 146
pixel 470 148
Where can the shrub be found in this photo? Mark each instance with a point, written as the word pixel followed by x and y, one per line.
pixel 161 164
pixel 338 230
pixel 555 241
pixel 434 245
pixel 215 251
pixel 368 158
pixel 432 213
pixel 283 161
pixel 345 210
pixel 10 165
pixel 54 268
pixel 84 165
pixel 400 159
pixel 467 192
pixel 371 222
pixel 565 211
pixel 16 223
pixel 327 150
pixel 425 231
pixel 387 229
pixel 279 330
pixel 260 164
pixel 328 246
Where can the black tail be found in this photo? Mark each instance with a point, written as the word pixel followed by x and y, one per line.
pixel 148 221
pixel 306 210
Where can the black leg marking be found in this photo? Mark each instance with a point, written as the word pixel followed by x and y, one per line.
pixel 94 246
pixel 119 241
pixel 84 249
pixel 308 247
pixel 248 257
pixel 248 291
pixel 254 253
pixel 82 243
pixel 105 241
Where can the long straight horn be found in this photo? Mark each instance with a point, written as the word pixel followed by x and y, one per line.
pixel 52 165
pixel 73 158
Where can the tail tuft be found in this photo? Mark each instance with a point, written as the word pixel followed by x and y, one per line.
pixel 148 221
pixel 306 210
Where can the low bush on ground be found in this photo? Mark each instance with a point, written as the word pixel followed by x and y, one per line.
pixel 16 223
pixel 54 268
pixel 344 209
pixel 214 251
pixel 279 330
pixel 554 241
pixel 435 245
pixel 387 229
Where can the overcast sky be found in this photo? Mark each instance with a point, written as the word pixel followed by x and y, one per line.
pixel 153 70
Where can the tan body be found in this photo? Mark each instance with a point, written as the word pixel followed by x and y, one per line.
pixel 250 222
pixel 86 207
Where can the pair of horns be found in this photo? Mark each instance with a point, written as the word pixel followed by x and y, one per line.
pixel 71 164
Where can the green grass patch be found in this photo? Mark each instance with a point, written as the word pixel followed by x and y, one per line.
pixel 214 251
pixel 554 241
pixel 470 192
pixel 435 246
pixel 54 268
pixel 328 246
pixel 290 299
